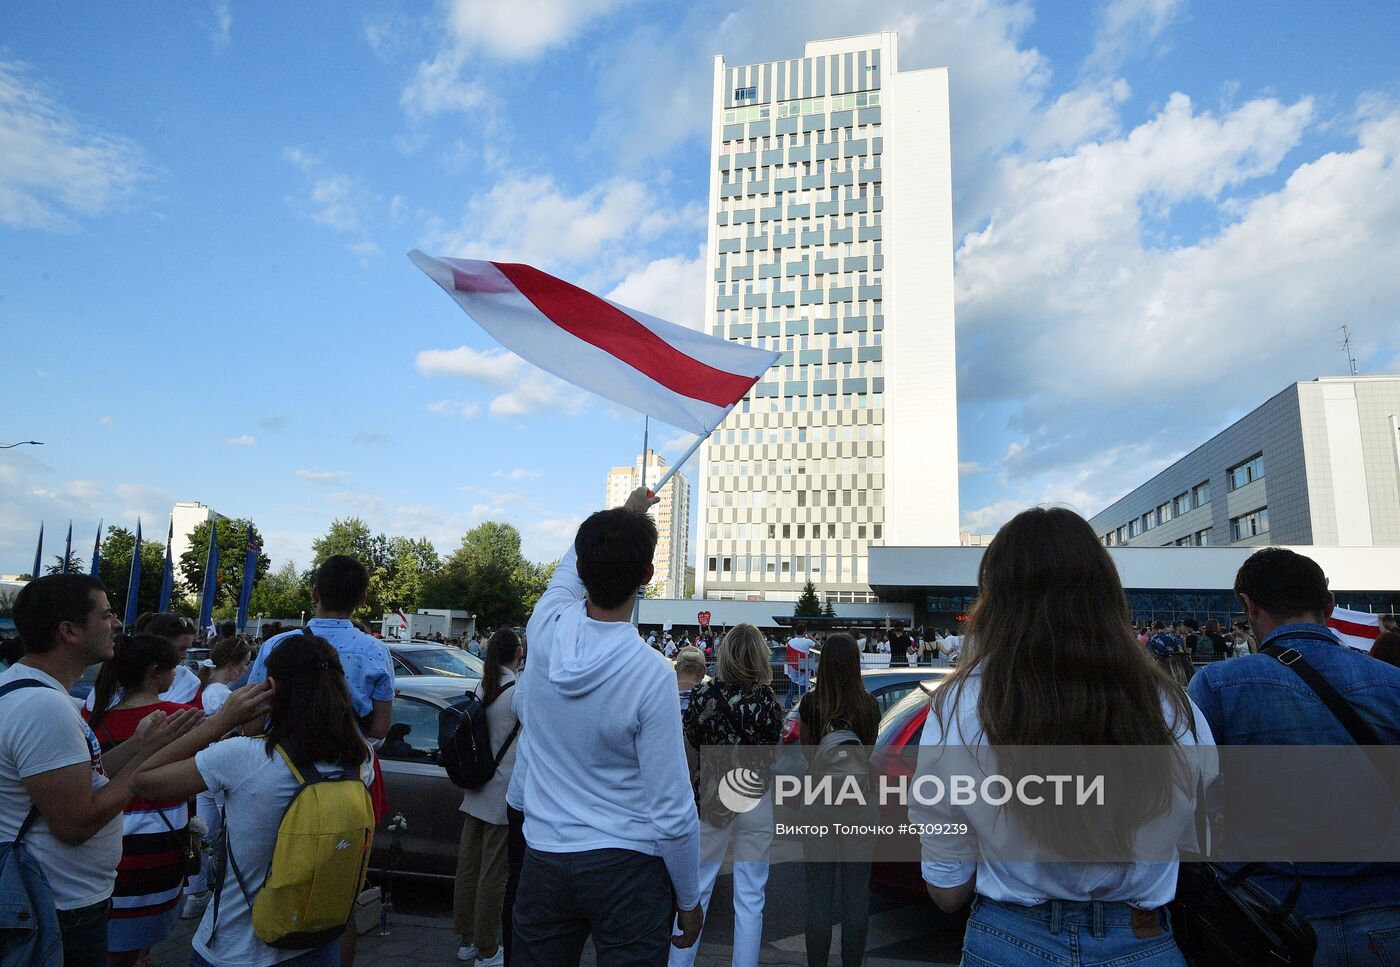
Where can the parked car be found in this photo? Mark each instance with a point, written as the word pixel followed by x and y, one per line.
pixel 416 783
pixel 888 685
pixel 900 728
pixel 432 658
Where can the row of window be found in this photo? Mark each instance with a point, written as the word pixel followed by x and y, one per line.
pixel 1199 539
pixel 799 567
pixel 799 498
pixel 847 433
pixel 841 530
pixel 1252 524
pixel 795 108
pixel 729 468
pixel 802 404
pixel 1198 496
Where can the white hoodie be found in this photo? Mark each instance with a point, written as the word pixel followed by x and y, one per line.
pixel 601 761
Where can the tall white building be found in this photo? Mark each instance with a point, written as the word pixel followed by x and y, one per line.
pixel 831 241
pixel 185 516
pixel 672 518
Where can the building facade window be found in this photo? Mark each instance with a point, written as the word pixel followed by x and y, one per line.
pixel 1164 513
pixel 1247 472
pixel 1202 538
pixel 1182 503
pixel 1200 494
pixel 1249 525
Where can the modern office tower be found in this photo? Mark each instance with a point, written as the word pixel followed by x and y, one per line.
pixel 1319 463
pixel 831 241
pixel 672 518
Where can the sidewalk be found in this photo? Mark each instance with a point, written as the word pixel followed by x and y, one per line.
pixel 415 941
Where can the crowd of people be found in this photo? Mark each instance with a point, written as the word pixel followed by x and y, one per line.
pixel 597 817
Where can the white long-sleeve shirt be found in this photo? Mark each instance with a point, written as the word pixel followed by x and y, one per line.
pixel 601 761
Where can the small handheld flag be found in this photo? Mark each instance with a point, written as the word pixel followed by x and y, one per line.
pixel 1355 629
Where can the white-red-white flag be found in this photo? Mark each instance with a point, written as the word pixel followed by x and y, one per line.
pixel 1356 629
pixel 680 376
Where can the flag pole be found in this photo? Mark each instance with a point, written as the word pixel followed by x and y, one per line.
pixel 646 429
pixel 666 477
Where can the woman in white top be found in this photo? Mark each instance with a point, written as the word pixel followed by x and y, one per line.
pixel 228 659
pixel 481 854
pixel 308 712
pixel 1051 660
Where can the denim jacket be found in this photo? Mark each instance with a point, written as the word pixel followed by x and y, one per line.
pixel 1256 700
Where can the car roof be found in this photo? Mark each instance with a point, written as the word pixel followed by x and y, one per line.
pixel 440 688
pixel 901 671
pixel 412 646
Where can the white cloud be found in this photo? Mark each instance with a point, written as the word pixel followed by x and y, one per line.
pixel 534 395
pixel 241 441
pixel 106 421
pixel 366 249
pixel 985 520
pixel 333 199
pixel 968 467
pixel 1128 26
pixel 547 539
pixel 533 219
pixel 527 389
pixel 54 168
pixel 323 476
pixel 674 446
pixel 494 366
pixel 223 24
pixel 519 473
pixel 478 30
pixel 85 490
pixel 458 408
pixel 668 288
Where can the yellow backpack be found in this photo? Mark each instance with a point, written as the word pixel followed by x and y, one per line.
pixel 318 864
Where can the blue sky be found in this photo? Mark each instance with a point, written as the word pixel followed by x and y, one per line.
pixel 1163 210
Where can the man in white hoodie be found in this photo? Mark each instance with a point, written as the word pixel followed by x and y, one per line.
pixel 612 837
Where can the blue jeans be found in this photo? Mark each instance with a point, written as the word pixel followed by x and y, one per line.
pixel 1067 934
pixel 85 935
pixel 1365 938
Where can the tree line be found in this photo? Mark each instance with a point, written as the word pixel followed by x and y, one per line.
pixel 487 574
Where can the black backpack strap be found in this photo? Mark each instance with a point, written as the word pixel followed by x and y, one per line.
pixel 33 815
pixel 506 745
pixel 1360 731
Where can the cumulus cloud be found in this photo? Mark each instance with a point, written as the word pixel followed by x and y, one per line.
pixel 55 168
pixel 246 440
pixel 332 199
pixel 527 389
pixel 1128 26
pixel 668 288
pixel 495 366
pixel 477 30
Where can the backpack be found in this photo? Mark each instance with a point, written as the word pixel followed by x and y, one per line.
pixel 464 741
pixel 318 865
pixel 29 931
pixel 840 753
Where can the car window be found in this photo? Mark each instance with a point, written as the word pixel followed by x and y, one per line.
pixel 887 697
pixel 400 668
pixel 447 661
pixel 413 732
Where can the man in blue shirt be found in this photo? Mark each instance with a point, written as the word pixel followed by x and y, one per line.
pixel 339 590
pixel 1258 700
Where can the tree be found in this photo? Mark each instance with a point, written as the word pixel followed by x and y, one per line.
pixel 282 593
pixel 411 564
pixel 827 610
pixel 534 579
pixel 233 546
pixel 75 564
pixel 486 575
pixel 807 604
pixel 399 567
pixel 114 570
pixel 654 589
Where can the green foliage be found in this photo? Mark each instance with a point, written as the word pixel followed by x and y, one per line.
pixel 807 604
pixel 399 567
pixel 7 603
pixel 232 537
pixel 827 610
pixel 488 576
pixel 114 570
pixel 282 593
pixel 76 565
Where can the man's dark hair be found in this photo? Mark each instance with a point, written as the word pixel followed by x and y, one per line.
pixel 227 629
pixel 1192 624
pixel 1158 626
pixel 800 629
pixel 341 581
pixel 615 548
pixel 45 603
pixel 1284 583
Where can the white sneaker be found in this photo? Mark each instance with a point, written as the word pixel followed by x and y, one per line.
pixel 195 904
pixel 467 953
pixel 495 960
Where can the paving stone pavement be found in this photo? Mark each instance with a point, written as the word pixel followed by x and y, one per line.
pixel 415 941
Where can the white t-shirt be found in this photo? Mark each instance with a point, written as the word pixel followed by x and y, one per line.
pixel 256 793
pixel 41 731
pixel 215 694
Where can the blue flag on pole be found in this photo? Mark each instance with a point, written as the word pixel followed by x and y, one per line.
pixel 167 579
pixel 38 554
pixel 211 579
pixel 68 548
pixel 97 550
pixel 250 573
pixel 133 584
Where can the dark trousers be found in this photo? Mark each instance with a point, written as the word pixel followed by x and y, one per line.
pixel 515 857
pixel 84 933
pixel 621 898
pixel 837 891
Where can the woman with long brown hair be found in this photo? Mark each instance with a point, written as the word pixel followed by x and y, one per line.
pixel 1051 660
pixel 838 868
